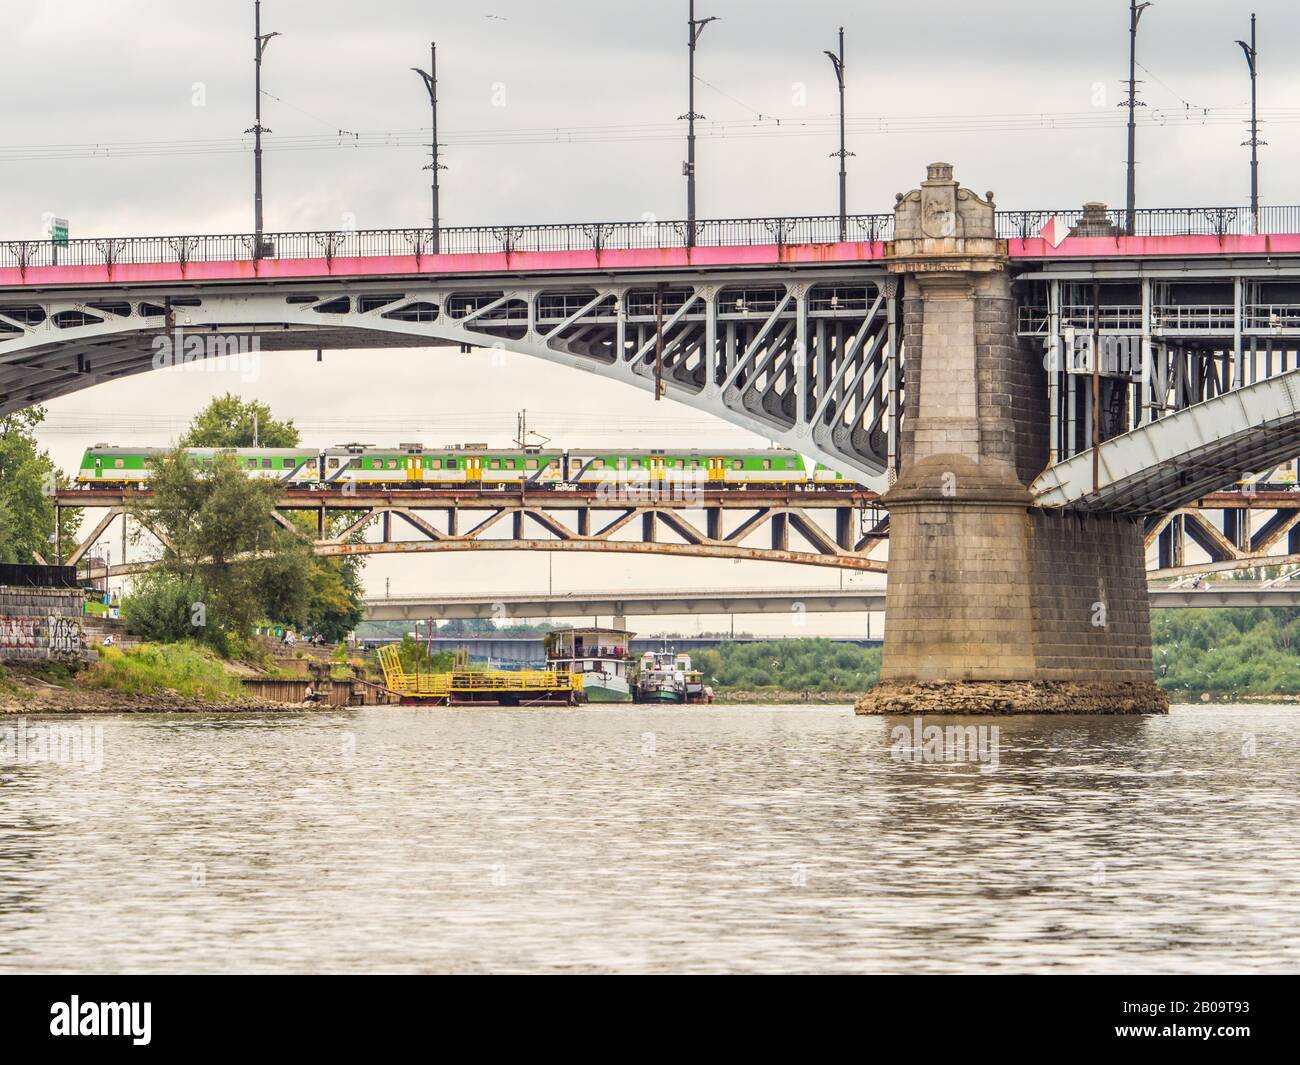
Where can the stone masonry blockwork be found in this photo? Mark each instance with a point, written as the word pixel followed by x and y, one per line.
pixel 993 604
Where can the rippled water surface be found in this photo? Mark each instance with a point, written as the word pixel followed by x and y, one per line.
pixel 718 839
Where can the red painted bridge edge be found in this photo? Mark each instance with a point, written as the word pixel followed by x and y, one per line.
pixel 588 260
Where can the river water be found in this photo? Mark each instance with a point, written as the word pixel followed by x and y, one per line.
pixel 660 839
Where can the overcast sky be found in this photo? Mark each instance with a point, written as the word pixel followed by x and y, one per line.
pixel 513 72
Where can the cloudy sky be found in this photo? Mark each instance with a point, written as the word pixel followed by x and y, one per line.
pixel 127 118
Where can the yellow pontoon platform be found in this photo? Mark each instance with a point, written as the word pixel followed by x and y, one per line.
pixel 482 687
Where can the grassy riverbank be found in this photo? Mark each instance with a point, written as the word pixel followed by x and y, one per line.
pixel 151 677
pixel 184 668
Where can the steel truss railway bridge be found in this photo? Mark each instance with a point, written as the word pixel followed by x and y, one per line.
pixel 829 527
pixel 843 528
pixel 1038 390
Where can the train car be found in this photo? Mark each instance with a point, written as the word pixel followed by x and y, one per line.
pixel 106 464
pixel 597 466
pixel 295 467
pixel 414 464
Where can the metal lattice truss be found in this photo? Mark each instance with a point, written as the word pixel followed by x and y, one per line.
pixel 821 528
pixel 802 356
pixel 1161 336
pixel 1240 530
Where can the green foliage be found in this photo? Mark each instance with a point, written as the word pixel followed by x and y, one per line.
pixel 185 668
pixel 416 658
pixel 28 478
pixel 161 607
pixel 1227 651
pixel 7 685
pixel 221 539
pixel 229 420
pixel 790 665
pixel 334 607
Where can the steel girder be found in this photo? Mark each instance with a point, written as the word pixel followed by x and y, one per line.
pixel 1169 463
pixel 803 357
pixel 819 528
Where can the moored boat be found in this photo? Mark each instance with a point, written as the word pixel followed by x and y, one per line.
pixel 599 655
pixel 668 677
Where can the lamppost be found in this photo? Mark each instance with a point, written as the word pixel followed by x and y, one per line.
pixel 1130 200
pixel 260 41
pixel 430 79
pixel 1252 62
pixel 837 61
pixel 688 167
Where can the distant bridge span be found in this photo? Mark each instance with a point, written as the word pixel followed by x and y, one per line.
pixel 789 601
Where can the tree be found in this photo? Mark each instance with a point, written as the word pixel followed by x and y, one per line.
pixel 232 421
pixel 334 608
pixel 312 594
pixel 219 538
pixel 28 479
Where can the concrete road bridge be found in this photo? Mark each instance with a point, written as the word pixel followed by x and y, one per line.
pixel 791 602
pixel 1035 387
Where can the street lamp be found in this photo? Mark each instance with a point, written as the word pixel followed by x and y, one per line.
pixel 1252 58
pixel 688 167
pixel 430 79
pixel 1134 17
pixel 837 61
pixel 260 41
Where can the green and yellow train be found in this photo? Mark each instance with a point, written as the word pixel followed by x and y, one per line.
pixel 412 465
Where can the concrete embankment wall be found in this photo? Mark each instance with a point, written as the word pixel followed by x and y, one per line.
pixel 37 624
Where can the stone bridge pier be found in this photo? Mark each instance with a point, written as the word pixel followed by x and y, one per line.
pixel 993 605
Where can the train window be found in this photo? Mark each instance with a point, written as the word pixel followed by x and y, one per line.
pixel 622 464
pixel 451 464
pixel 530 464
pixel 597 464
pixel 510 464
pixel 252 464
pixel 268 463
pixel 392 464
pixel 436 464
pixel 333 464
pixel 767 464
pixel 120 463
pixel 789 464
pixel 495 464
pixel 738 465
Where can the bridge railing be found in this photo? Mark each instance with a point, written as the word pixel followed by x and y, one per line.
pixel 456 240
pixel 1152 221
pixel 647 233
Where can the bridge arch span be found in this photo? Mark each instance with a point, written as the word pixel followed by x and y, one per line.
pixel 806 358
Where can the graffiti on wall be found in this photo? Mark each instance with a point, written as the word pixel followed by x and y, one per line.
pixel 65 636
pixel 18 632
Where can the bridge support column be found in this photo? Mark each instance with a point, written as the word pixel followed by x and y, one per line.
pixel 993 605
